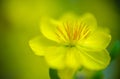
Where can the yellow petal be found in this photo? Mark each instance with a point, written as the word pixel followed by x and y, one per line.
pixel 95 60
pixel 55 57
pixel 39 44
pixel 73 59
pixel 89 20
pixel 61 57
pixel 48 29
pixel 98 40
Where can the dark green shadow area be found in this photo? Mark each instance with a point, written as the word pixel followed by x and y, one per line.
pixel 53 74
pixel 115 51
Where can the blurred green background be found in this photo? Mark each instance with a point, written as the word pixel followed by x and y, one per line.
pixel 19 22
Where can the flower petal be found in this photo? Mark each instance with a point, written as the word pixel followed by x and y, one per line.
pixel 95 60
pixel 48 29
pixel 55 57
pixel 98 40
pixel 39 44
pixel 73 59
pixel 89 20
pixel 63 57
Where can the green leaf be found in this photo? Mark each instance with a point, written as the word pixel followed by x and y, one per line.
pixel 115 51
pixel 53 74
pixel 98 75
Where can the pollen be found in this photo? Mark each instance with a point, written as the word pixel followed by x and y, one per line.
pixel 72 32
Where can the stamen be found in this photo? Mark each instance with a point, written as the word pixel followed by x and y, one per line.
pixel 76 34
pixel 80 30
pixel 67 29
pixel 72 32
pixel 61 32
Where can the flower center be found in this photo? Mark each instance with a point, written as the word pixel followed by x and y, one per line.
pixel 71 33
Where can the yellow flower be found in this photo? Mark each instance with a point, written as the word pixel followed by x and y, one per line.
pixel 72 42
